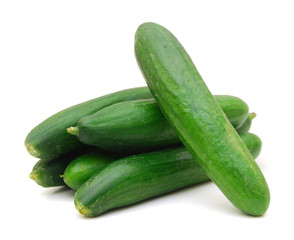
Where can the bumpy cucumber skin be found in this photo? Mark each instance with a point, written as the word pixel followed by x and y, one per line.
pixel 84 166
pixel 138 125
pixel 139 177
pixel 50 139
pixel 245 127
pixel 188 105
pixel 49 173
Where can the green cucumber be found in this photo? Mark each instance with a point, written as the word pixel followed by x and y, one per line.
pixel 200 123
pixel 245 127
pixel 138 125
pixel 50 139
pixel 135 178
pixel 84 166
pixel 253 143
pixel 49 173
pixel 235 109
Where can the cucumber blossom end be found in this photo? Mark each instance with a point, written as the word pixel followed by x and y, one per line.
pixel 82 209
pixel 33 176
pixel 31 149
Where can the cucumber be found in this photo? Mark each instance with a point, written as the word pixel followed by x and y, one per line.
pixel 135 178
pixel 84 166
pixel 138 125
pixel 235 109
pixel 49 173
pixel 200 123
pixel 253 143
pixel 50 139
pixel 245 127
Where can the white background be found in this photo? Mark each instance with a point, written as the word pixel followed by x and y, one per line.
pixel 54 54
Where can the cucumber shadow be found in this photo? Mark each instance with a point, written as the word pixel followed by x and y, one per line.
pixel 59 193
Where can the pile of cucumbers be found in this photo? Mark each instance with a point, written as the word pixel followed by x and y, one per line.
pixel 135 144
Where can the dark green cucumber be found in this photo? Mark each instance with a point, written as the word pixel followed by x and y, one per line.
pixel 138 125
pixel 200 123
pixel 84 166
pixel 50 139
pixel 139 177
pixel 49 173
pixel 245 127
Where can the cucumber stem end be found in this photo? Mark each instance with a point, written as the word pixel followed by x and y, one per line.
pixel 252 115
pixel 73 130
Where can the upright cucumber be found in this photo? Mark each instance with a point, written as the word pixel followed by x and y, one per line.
pixel 245 127
pixel 138 125
pixel 83 167
pixel 49 173
pixel 202 126
pixel 50 139
pixel 139 177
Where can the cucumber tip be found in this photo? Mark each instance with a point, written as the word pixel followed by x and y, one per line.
pixel 253 115
pixel 82 209
pixel 33 176
pixel 31 149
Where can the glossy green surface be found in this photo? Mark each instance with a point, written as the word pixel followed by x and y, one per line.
pixel 202 126
pixel 84 166
pixel 50 138
pixel 139 177
pixel 138 125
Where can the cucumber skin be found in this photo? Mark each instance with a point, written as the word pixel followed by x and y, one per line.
pixel 138 125
pixel 49 173
pixel 235 109
pixel 83 167
pixel 49 139
pixel 188 105
pixel 139 177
